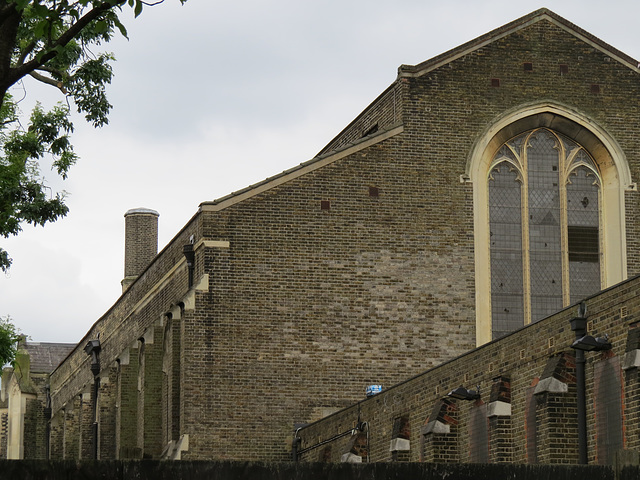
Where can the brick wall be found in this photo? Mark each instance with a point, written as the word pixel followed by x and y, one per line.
pixel 356 268
pixel 107 412
pixel 382 114
pixel 529 356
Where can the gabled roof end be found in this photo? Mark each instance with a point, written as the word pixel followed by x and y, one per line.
pixel 500 32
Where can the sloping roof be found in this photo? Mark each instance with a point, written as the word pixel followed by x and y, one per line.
pixel 508 29
pixel 45 357
pixel 542 14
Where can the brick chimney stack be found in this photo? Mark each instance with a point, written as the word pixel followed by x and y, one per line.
pixel 140 242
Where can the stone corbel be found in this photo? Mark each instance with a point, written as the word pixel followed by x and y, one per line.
pixel 498 409
pixel 551 385
pixel 400 445
pixel 631 360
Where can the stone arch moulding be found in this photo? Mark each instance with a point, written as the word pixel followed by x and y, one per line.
pixel 616 178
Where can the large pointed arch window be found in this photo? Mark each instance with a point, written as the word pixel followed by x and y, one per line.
pixel 544 220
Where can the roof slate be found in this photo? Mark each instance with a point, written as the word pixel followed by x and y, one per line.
pixel 45 357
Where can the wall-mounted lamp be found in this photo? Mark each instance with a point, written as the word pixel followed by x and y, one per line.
pixel 588 343
pixel 92 348
pixel 190 256
pixel 462 393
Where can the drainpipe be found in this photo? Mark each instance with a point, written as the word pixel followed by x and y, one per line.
pixel 295 445
pixel 93 349
pixel 47 418
pixel 579 325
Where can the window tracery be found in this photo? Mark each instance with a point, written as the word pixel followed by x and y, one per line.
pixel 544 219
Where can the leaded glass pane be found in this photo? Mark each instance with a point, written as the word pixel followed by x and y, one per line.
pixel 506 250
pixel 555 221
pixel 545 255
pixel 583 213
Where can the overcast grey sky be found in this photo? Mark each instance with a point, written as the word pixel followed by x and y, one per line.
pixel 211 97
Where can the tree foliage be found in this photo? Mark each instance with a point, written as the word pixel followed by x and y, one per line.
pixel 53 42
pixel 8 341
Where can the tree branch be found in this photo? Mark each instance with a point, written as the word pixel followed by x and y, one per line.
pixel 28 49
pixel 49 81
pixel 53 71
pixel 20 71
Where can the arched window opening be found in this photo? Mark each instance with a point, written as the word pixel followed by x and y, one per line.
pixel 544 228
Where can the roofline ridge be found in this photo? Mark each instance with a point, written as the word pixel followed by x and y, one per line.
pixel 504 30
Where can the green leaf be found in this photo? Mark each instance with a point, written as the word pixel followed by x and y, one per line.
pixel 101 26
pixel 21 4
pixel 40 28
pixel 73 66
pixel 121 27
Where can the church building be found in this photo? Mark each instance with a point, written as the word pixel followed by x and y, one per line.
pixel 482 192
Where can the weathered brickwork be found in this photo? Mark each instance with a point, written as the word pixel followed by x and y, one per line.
pixel 107 411
pixel 56 437
pixel 149 408
pixel 359 268
pixel 127 413
pixel 85 439
pixel 539 351
pixel 4 424
pixel 382 114
pixel 141 242
pixel 71 438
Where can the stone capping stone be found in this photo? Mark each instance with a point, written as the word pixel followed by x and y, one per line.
pixel 498 409
pixel 400 445
pixel 551 385
pixel 212 244
pixel 124 357
pixel 141 211
pixel 435 426
pixel 631 360
pixel 182 445
pixel 351 458
pixel 148 336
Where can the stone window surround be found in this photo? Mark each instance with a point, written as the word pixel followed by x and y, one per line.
pixel 616 179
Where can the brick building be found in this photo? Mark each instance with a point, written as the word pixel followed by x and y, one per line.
pixel 484 190
pixel 24 399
